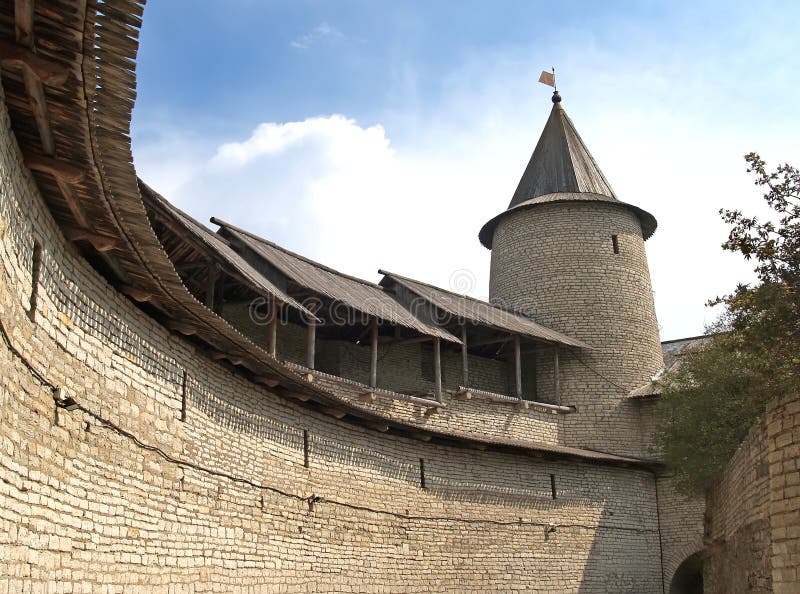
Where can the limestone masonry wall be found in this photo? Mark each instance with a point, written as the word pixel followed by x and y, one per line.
pixel 753 517
pixel 177 475
pixel 556 263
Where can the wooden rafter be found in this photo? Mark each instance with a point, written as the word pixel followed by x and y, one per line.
pixel 16 56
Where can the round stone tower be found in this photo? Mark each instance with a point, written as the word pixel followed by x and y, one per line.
pixel 570 255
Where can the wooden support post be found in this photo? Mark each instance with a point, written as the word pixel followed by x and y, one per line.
pixel 211 286
pixel 272 329
pixel 219 296
pixel 373 363
pixel 517 367
pixel 38 105
pixel 464 357
pixel 311 339
pixel 437 369
pixel 556 377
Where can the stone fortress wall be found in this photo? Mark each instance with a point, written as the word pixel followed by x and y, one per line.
pixel 753 514
pixel 178 475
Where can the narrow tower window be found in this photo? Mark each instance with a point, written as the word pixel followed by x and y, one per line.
pixel 615 243
pixel 183 394
pixel 36 272
pixel 306 448
pixel 553 486
pixel 422 473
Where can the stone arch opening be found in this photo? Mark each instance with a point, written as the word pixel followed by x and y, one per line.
pixel 688 578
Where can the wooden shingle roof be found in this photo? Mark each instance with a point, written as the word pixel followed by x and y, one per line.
pixel 479 312
pixel 562 169
pixel 218 248
pixel 356 293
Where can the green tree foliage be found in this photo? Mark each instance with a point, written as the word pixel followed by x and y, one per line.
pixel 753 355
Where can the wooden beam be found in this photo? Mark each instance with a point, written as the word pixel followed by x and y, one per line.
pixel 437 369
pixel 335 412
pixel 135 293
pixel 211 283
pixel 311 340
pixel 38 104
pixel 23 22
pixel 373 362
pixel 72 203
pixel 556 376
pixel 181 327
pixel 102 243
pixel 495 340
pixel 270 382
pixel 13 55
pixel 219 296
pixel 190 266
pixel 517 367
pixel 56 168
pixel 272 327
pixel 464 356
pixel 415 340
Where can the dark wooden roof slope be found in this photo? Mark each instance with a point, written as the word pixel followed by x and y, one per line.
pixel 361 295
pixel 562 169
pixel 212 245
pixel 480 312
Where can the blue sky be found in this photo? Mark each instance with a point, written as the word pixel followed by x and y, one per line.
pixel 384 134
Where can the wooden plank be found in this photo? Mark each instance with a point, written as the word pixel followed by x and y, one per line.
pixel 38 104
pixel 373 363
pixel 102 243
pixel 437 369
pixel 415 340
pixel 270 382
pixel 272 328
pixel 72 203
pixel 55 167
pixel 23 22
pixel 517 367
pixel 464 356
pixel 211 284
pixel 136 293
pixel 13 55
pixel 311 339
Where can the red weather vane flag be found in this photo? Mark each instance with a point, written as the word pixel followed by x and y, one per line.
pixel 548 78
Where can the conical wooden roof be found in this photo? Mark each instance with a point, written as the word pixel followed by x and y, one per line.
pixel 562 169
pixel 560 163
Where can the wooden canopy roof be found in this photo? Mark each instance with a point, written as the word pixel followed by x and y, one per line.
pixel 356 293
pixel 462 307
pixel 211 246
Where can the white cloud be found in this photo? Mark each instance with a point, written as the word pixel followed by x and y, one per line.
pixel 321 32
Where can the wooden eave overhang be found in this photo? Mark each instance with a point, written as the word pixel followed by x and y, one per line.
pixel 465 309
pixel 363 296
